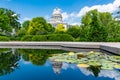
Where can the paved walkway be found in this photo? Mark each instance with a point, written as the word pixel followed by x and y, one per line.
pixel 111 47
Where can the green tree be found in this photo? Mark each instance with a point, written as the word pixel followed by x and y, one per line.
pixel 8 61
pixel 86 19
pixel 74 31
pixel 97 32
pixel 13 18
pixel 4 20
pixel 8 21
pixel 22 32
pixel 113 31
pixel 50 28
pixel 25 24
pixel 104 18
pixel 95 70
pixel 84 30
pixel 60 28
pixel 39 26
pixel 38 57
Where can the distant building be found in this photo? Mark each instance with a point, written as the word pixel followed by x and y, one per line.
pixel 57 18
pixel 56 66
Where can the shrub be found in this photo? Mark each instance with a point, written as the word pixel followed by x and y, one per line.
pixel 83 39
pixel 113 39
pixel 39 38
pixel 27 38
pixel 15 38
pixel 22 32
pixel 4 38
pixel 74 31
pixel 60 37
pixel 50 37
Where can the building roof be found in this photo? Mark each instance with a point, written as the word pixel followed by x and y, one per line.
pixel 57 11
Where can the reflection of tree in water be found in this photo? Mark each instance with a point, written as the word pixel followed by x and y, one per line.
pixel 8 61
pixel 37 56
pixel 95 70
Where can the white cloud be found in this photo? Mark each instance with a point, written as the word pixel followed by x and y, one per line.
pixel 74 17
pixel 71 18
pixel 26 62
pixel 110 73
pixel 75 23
pixel 65 66
pixel 26 18
pixel 47 17
pixel 111 7
pixel 103 73
pixel 65 15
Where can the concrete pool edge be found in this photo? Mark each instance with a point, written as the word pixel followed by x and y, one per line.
pixel 113 47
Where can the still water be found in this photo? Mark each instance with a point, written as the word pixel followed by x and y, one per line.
pixel 33 64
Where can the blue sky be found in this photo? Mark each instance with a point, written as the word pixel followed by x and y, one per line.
pixel 72 10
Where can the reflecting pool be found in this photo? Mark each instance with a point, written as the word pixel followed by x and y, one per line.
pixel 34 64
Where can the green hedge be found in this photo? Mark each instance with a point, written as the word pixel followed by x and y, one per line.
pixel 27 38
pixel 50 37
pixel 113 39
pixel 4 38
pixel 60 37
pixel 39 38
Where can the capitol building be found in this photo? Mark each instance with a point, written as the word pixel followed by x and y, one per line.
pixel 57 18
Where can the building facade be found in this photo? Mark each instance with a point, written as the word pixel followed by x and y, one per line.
pixel 57 18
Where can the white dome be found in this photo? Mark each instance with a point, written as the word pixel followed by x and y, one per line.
pixel 56 11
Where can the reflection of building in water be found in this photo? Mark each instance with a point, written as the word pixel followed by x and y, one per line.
pixel 57 18
pixel 56 66
pixel 13 50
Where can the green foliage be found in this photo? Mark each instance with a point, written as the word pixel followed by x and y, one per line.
pixel 4 38
pixel 27 38
pixel 50 28
pixel 74 31
pixel 97 34
pixel 50 37
pixel 60 28
pixel 86 19
pixel 26 24
pixel 39 26
pixel 104 18
pixel 22 32
pixel 84 33
pixel 60 37
pixel 15 38
pixel 39 56
pixel 113 30
pixel 8 62
pixel 96 31
pixel 39 38
pixel 8 21
pixel 4 21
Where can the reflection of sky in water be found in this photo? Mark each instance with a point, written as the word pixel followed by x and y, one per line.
pixel 113 74
pixel 28 71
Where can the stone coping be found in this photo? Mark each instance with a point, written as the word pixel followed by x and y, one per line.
pixel 113 47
